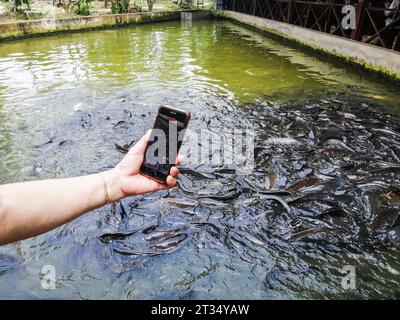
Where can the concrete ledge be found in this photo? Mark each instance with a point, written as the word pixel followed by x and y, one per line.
pixel 369 56
pixel 24 29
pixel 190 15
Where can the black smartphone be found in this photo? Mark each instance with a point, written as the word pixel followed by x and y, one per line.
pixel 165 141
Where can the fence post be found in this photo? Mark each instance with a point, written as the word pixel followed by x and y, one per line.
pixel 355 34
pixel 290 12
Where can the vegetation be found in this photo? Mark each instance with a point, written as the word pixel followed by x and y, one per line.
pixel 18 4
pixel 83 7
pixel 14 10
pixel 119 6
pixel 185 4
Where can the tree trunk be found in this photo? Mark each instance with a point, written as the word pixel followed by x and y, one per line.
pixel 150 4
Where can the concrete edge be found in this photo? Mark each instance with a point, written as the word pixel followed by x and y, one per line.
pixel 370 57
pixel 35 28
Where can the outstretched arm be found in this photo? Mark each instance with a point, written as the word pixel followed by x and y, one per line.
pixel 31 208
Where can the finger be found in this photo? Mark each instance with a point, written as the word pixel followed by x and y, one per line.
pixel 151 185
pixel 140 146
pixel 174 172
pixel 171 182
pixel 162 186
pixel 179 159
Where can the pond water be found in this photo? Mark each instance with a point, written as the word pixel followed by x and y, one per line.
pixel 327 138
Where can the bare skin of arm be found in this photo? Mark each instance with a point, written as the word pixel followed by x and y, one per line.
pixel 31 208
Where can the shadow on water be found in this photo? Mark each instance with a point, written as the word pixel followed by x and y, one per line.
pixel 324 192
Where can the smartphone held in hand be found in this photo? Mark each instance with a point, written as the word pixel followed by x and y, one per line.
pixel 165 141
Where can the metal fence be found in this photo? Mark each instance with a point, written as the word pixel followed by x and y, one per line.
pixel 376 22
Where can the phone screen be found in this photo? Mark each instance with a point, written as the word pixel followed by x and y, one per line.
pixel 164 143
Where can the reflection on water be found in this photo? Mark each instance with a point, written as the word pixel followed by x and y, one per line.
pixel 65 101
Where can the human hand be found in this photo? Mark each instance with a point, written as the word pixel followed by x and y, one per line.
pixel 125 179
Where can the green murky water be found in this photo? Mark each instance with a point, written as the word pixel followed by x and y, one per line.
pixel 60 100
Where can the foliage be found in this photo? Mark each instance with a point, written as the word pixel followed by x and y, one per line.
pixel 171 5
pixel 83 7
pixel 119 6
pixel 18 4
pixel 186 4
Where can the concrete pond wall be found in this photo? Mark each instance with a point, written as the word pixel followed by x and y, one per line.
pixel 23 29
pixel 195 15
pixel 371 57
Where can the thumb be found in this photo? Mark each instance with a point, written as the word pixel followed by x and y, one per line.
pixel 139 148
